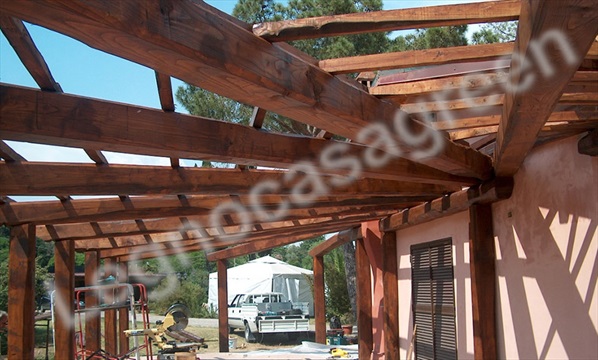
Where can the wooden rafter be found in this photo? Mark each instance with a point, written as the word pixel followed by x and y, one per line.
pixel 8 154
pixel 294 88
pixel 83 179
pixel 525 112
pixel 335 241
pixel 403 19
pixel 99 124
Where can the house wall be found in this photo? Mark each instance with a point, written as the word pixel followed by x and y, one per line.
pixel 454 226
pixel 547 249
pixel 547 246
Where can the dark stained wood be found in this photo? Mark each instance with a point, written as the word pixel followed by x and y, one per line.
pixel 293 88
pixel 335 241
pixel 99 124
pixel 21 292
pixel 19 38
pixel 222 306
pixel 416 58
pixel 92 320
pixel 96 156
pixel 319 300
pixel 489 192
pixel 110 316
pixel 8 154
pixel 518 131
pixel 88 179
pixel 391 295
pixel 64 307
pixel 110 209
pixel 588 145
pixel 123 314
pixel 482 255
pixel 364 300
pixel 165 92
pixel 388 20
pixel 257 117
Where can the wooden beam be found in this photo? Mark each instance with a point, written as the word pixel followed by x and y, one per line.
pixel 21 292
pixel 319 300
pixel 482 255
pixel 222 305
pixel 110 316
pixel 525 112
pixel 492 191
pixel 64 308
pixel 92 319
pixel 389 20
pixel 123 313
pixel 391 295
pixel 88 179
pixel 416 58
pixel 17 35
pixel 154 207
pixel 99 125
pixel 161 29
pixel 8 154
pixel 335 241
pixel 364 300
pixel 165 92
pixel 588 145
pixel 96 156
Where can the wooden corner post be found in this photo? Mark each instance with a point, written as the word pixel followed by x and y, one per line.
pixel 222 305
pixel 364 301
pixel 64 291
pixel 92 319
pixel 391 295
pixel 319 299
pixel 21 292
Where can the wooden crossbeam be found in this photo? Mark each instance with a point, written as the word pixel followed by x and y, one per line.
pixel 335 241
pixel 389 20
pixel 154 207
pixel 226 59
pixel 416 58
pixel 8 154
pixel 101 125
pixel 549 127
pixel 88 179
pixel 525 112
pixel 497 189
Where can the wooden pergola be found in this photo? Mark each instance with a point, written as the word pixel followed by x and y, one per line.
pixel 153 211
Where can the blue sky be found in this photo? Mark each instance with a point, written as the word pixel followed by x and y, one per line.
pixel 84 71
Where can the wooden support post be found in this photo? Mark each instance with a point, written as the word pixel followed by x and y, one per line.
pixel 319 300
pixel 123 314
pixel 222 305
pixel 391 295
pixel 364 301
pixel 21 292
pixel 110 329
pixel 375 252
pixel 482 258
pixel 92 319
pixel 64 291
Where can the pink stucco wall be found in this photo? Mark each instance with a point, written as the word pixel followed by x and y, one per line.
pixel 456 227
pixel 547 246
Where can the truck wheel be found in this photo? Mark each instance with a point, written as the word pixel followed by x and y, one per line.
pixel 248 334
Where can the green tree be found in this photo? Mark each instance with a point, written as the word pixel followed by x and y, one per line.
pixel 495 32
pixel 432 38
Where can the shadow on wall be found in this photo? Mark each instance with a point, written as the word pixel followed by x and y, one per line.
pixel 547 249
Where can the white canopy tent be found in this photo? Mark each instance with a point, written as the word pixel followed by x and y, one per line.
pixel 266 274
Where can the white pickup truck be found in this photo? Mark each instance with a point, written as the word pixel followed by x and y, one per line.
pixel 266 313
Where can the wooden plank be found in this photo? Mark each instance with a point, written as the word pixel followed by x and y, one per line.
pixel 525 112
pixel 17 35
pixel 92 319
pixel 110 316
pixel 222 305
pixel 482 255
pixel 110 209
pixel 319 300
pixel 100 125
pixel 165 92
pixel 8 154
pixel 64 307
pixel 416 58
pixel 21 292
pixel 335 241
pixel 364 300
pixel 89 179
pixel 96 156
pixel 389 20
pixel 123 314
pixel 588 145
pixel 495 190
pixel 391 295
pixel 550 127
pixel 243 59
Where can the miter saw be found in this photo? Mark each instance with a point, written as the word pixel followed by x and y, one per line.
pixel 174 323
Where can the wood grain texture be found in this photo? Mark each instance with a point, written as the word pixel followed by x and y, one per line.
pixel 222 305
pixel 335 241
pixel 93 330
pixel 364 300
pixel 391 295
pixel 64 285
pixel 319 300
